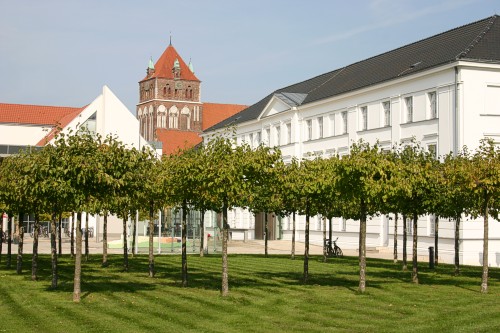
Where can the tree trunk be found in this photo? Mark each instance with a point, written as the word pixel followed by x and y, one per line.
pixel 362 249
pixel 330 234
pixel 9 241
pixel 53 250
pixel 436 240
pixel 457 245
pixel 151 239
pixel 183 244
pixel 20 229
pixel 202 233
pixel 325 246
pixel 86 236
pixel 105 240
pixel 306 250
pixel 78 259
pixel 395 238
pixel 34 258
pixel 125 245
pixel 293 237
pixel 266 229
pixel 405 236
pixel 59 234
pixel 134 235
pixel 484 279
pixel 225 234
pixel 414 256
pixel 72 236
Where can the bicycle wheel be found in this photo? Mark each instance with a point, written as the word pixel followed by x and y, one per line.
pixel 339 252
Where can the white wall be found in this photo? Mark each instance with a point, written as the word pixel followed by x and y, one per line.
pixel 24 135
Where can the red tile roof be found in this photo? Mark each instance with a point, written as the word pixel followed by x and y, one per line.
pixel 37 114
pixel 173 140
pixel 214 113
pixel 164 65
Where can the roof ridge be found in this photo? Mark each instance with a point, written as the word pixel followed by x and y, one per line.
pixel 478 38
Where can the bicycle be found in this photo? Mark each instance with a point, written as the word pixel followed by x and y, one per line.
pixel 334 251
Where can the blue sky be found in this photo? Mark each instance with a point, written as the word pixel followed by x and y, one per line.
pixel 61 52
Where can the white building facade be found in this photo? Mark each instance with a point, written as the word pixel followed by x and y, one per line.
pixel 443 90
pixel 35 126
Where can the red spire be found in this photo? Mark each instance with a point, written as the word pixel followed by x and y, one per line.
pixel 164 65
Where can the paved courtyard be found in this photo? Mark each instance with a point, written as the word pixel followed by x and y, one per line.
pixel 281 247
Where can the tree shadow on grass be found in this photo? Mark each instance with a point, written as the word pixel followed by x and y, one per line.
pixel 282 273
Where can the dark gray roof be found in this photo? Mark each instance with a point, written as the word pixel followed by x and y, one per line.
pixel 478 41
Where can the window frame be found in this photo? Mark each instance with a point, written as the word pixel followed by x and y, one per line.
pixel 364 118
pixel 345 123
pixel 433 111
pixel 320 127
pixel 387 113
pixel 409 109
pixel 308 130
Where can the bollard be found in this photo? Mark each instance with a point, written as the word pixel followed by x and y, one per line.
pixel 431 257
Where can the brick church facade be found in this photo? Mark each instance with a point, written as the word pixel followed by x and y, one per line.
pixel 170 109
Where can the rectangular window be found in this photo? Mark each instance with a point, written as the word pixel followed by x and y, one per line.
pixel 288 133
pixel 257 138
pixel 251 140
pixel 364 118
pixel 432 149
pixel 432 224
pixel 320 127
pixel 278 135
pixel 268 136
pixel 331 125
pixel 344 122
pixel 409 226
pixel 409 109
pixel 387 113
pixel 432 105
pixel 308 129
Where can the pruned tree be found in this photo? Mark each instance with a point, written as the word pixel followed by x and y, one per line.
pixel 485 188
pixel 289 193
pixel 416 177
pixel 262 175
pixel 453 196
pixel 181 182
pixel 364 177
pixel 224 178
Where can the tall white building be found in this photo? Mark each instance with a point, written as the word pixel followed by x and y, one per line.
pixel 443 90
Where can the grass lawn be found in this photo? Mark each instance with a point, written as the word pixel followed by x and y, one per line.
pixel 266 295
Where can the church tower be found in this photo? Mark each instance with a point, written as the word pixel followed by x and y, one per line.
pixel 169 98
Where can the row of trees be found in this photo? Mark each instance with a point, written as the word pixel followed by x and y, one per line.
pixel 86 173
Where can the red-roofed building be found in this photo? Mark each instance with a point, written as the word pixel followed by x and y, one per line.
pixel 170 108
pixel 23 125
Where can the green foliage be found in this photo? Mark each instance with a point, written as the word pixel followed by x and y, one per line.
pixel 414 179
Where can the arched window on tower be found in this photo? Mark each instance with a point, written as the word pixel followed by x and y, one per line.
pixel 186 112
pixel 160 120
pixel 173 117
